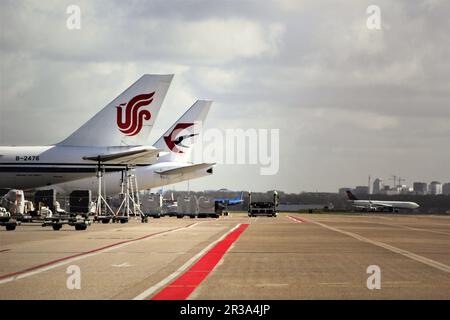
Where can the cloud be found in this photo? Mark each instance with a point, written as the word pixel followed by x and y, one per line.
pixel 120 35
pixel 343 96
pixel 222 41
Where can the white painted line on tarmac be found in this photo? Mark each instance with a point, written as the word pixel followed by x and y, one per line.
pixel 122 265
pixel 295 220
pixel 37 270
pixel 414 228
pixel 408 254
pixel 180 270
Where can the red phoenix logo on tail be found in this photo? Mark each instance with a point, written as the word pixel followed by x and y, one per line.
pixel 134 117
pixel 173 140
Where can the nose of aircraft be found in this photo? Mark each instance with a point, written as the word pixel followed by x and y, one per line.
pixel 415 205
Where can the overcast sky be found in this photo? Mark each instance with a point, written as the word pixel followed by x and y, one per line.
pixel 348 101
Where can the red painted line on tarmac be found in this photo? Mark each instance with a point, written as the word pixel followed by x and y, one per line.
pixel 298 219
pixel 184 285
pixel 17 273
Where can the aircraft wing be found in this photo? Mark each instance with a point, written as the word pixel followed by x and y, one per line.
pixel 360 206
pixel 373 205
pixel 132 156
pixel 384 205
pixel 185 169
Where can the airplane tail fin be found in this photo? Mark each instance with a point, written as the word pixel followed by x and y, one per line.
pixel 179 140
pixel 350 195
pixel 128 119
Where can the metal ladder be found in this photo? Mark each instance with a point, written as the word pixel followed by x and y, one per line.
pixel 134 194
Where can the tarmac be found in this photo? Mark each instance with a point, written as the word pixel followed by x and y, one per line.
pixel 292 256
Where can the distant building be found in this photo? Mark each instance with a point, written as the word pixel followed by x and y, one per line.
pixel 362 190
pixel 404 189
pixel 420 187
pixel 435 187
pixel 446 188
pixel 387 190
pixel 377 186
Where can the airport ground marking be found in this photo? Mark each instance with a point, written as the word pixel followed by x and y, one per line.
pixel 408 254
pixel 198 257
pixel 183 286
pixel 297 219
pixel 397 225
pixel 122 265
pixel 82 255
pixel 413 228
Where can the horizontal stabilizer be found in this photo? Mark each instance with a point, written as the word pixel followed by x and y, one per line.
pixel 186 169
pixel 132 156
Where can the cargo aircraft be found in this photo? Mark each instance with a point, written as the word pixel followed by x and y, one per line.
pixel 380 205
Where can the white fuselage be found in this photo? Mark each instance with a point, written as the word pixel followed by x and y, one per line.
pixel 374 204
pixel 147 177
pixel 29 168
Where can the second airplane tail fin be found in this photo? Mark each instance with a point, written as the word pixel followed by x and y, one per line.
pixel 179 140
pixel 350 195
